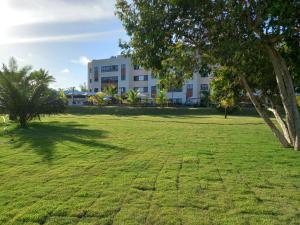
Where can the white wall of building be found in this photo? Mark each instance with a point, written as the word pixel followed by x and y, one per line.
pixel 130 83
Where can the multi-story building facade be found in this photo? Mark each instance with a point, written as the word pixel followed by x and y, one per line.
pixel 120 72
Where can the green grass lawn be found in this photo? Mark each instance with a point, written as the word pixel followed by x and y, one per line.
pixel 147 166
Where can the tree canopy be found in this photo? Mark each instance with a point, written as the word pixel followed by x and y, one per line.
pixel 260 40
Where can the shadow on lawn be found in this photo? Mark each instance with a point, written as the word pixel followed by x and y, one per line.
pixel 43 136
pixel 191 123
pixel 167 112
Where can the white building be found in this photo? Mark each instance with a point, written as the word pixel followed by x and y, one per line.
pixel 120 72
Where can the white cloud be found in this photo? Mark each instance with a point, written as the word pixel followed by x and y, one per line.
pixel 25 12
pixel 18 12
pixel 83 60
pixel 66 70
pixel 61 38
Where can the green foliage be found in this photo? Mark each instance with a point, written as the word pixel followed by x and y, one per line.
pixel 204 98
pixel 169 167
pixel 225 84
pixel 111 91
pixel 162 98
pixel 98 99
pixel 119 99
pixel 250 37
pixel 146 100
pixel 226 89
pixel 63 97
pixel 25 95
pixel 133 97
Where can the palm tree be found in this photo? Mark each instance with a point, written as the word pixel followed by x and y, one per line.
pixel 133 97
pixel 98 99
pixel 111 91
pixel 162 97
pixel 25 95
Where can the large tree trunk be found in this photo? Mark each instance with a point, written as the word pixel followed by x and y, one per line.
pixel 287 94
pixel 264 115
pixel 282 124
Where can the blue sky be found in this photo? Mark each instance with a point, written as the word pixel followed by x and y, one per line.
pixel 60 36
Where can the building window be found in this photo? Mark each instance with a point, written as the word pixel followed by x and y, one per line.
pixel 123 72
pixel 112 68
pixel 109 81
pixel 123 90
pixel 175 89
pixel 189 90
pixel 204 87
pixel 153 91
pixel 141 89
pixel 96 90
pixel 91 81
pixel 136 67
pixel 90 70
pixel 140 78
pixel 96 74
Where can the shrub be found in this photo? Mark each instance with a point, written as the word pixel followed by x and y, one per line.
pixel 162 97
pixel 133 97
pixel 98 99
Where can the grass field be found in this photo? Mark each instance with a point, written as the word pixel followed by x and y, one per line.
pixel 147 166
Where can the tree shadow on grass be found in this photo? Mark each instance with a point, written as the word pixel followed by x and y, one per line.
pixel 43 136
pixel 191 123
pixel 166 112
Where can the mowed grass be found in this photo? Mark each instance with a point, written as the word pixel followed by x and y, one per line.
pixel 147 166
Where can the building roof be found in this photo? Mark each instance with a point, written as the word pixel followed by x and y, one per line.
pixel 76 92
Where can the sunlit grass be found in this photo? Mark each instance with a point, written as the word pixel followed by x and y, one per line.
pixel 168 166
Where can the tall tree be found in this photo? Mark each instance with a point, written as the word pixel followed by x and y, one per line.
pixel 243 35
pixel 26 95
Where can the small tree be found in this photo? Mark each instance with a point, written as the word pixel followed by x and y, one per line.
pixel 146 100
pixel 162 97
pixel 98 99
pixel 133 97
pixel 119 99
pixel 111 91
pixel 63 97
pixel 227 104
pixel 226 90
pixel 25 95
